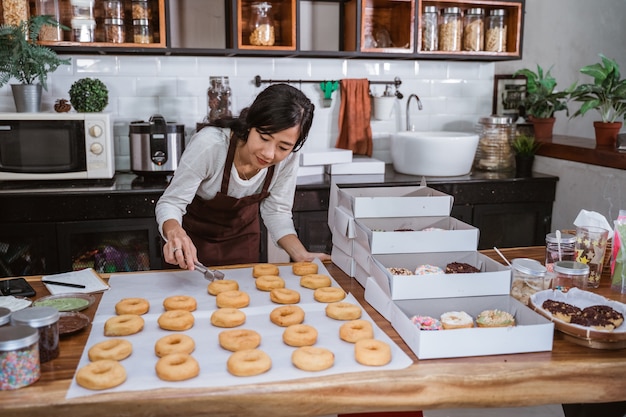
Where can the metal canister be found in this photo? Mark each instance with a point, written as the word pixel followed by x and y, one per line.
pixel 494 152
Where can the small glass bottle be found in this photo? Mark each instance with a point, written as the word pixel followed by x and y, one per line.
pixel 113 9
pixel 450 29
pixel 474 29
pixel 46 321
pixel 218 98
pixel 529 277
pixel 262 25
pixel 494 152
pixel 15 11
pixel 49 8
pixel 495 36
pixel 82 9
pixel 430 19
pixel 83 30
pixel 114 30
pixel 141 31
pixel 570 274
pixel 567 252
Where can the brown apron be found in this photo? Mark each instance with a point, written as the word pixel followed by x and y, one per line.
pixel 227 230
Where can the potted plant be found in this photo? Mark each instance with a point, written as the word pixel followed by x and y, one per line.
pixel 23 59
pixel 606 95
pixel 525 147
pixel 542 100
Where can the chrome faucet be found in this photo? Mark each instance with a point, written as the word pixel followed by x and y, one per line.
pixel 408 103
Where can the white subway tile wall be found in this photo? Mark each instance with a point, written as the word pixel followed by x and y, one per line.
pixel 454 94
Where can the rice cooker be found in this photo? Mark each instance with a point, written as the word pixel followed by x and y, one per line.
pixel 156 146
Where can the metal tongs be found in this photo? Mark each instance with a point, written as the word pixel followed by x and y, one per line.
pixel 210 274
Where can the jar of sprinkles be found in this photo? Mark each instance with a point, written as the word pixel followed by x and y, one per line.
pixel 19 357
pixel 46 321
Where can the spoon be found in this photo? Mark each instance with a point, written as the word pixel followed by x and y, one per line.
pixel 558 244
pixel 502 256
pixel 210 274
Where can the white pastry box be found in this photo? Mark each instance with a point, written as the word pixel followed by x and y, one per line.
pixel 344 261
pixel 358 165
pixel 324 157
pixel 408 235
pixel 493 278
pixel 405 201
pixel 531 333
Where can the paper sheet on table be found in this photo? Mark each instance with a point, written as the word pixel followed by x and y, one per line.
pixel 156 286
pixel 87 277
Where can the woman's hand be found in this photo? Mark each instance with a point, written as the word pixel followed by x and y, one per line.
pixel 321 256
pixel 179 249
pixel 297 252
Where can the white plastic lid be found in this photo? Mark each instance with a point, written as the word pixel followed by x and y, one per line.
pixel 82 3
pixel 79 23
pixel 17 337
pixel 529 266
pixel 35 316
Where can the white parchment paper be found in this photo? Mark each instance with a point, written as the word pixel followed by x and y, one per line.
pixel 156 286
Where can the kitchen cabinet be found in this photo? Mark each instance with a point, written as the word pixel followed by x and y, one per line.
pixel 386 29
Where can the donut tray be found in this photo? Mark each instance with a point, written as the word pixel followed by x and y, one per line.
pixel 156 286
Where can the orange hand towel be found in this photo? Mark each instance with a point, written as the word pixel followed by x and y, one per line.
pixel 355 131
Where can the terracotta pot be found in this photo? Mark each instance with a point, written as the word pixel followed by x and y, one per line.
pixel 543 127
pixel 606 133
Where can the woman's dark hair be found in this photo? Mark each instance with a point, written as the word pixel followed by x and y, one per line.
pixel 278 107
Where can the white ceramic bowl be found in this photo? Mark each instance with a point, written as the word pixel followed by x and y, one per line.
pixel 434 154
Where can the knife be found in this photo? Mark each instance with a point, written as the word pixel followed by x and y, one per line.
pixel 210 274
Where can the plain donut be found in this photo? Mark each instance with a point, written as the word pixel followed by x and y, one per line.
pixel 174 343
pixel 101 374
pixel 355 330
pixel 298 335
pixel 123 325
pixel 177 367
pixel 233 299
pixel 135 305
pixel 287 315
pixel 269 282
pixel 248 362
pixel 304 268
pixel 177 320
pixel 329 294
pixel 114 349
pixel 180 302
pixel 315 281
pixel 239 339
pixel 228 317
pixel 284 296
pixel 372 352
pixel 264 269
pixel 222 285
pixel 311 358
pixel 343 311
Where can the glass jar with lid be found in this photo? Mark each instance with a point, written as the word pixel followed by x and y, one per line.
pixel 82 9
pixel 46 321
pixel 14 11
pixel 141 31
pixel 113 9
pixel 114 30
pixel 262 25
pixel 495 36
pixel 83 30
pixel 529 277
pixel 218 98
pixel 430 20
pixel 140 9
pixel 19 356
pixel 450 29
pixel 559 250
pixel 494 152
pixel 474 29
pixel 49 8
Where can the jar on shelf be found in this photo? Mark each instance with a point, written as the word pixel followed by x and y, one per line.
pixel 495 36
pixel 19 356
pixel 113 9
pixel 141 9
pixel 114 30
pixel 82 9
pixel 494 152
pixel 261 25
pixel 83 30
pixel 15 11
pixel 46 321
pixel 49 8
pixel 430 20
pixel 474 29
pixel 141 31
pixel 450 29
pixel 218 98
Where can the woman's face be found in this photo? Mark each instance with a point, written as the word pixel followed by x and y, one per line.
pixel 264 150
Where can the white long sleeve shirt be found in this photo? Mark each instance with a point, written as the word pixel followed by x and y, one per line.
pixel 200 172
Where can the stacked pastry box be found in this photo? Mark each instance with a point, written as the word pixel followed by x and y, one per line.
pixel 407 227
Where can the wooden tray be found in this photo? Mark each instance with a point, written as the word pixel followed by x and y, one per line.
pixel 582 335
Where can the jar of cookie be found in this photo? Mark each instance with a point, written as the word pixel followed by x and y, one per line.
pixel 494 152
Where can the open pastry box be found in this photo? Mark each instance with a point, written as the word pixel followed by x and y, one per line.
pixel 415 235
pixel 531 333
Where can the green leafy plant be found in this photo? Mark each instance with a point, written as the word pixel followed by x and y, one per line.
pixel 22 58
pixel 607 93
pixel 525 145
pixel 542 99
pixel 89 95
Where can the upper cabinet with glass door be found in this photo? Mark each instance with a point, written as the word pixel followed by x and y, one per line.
pixel 391 29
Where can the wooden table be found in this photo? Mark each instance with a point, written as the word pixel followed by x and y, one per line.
pixel 570 373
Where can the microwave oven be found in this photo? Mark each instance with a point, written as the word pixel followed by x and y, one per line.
pixel 56 146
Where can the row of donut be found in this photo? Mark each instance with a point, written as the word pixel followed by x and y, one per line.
pixel 426 269
pixel 462 320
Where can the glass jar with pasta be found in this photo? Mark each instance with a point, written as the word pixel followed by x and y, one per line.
pixel 262 25
pixel 474 29
pixel 450 29
pixel 495 36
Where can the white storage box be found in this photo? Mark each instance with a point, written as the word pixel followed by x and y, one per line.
pixel 343 242
pixel 325 157
pixel 494 278
pixel 406 235
pixel 358 165
pixel 344 261
pixel 531 333
pixel 388 201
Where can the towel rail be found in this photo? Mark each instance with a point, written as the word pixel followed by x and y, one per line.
pixel 258 81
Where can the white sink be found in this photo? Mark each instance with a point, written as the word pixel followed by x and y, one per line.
pixel 434 154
